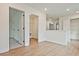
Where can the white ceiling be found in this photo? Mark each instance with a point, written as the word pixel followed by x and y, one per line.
pixel 56 9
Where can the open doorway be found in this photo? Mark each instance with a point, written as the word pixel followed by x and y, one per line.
pixel 74 32
pixel 33 30
pixel 16 28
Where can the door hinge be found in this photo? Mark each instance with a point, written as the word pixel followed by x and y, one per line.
pixel 23 28
pixel 23 15
pixel 23 41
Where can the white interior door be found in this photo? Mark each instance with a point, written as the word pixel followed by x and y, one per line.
pixel 21 27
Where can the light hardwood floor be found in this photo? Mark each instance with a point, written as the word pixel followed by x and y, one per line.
pixel 45 49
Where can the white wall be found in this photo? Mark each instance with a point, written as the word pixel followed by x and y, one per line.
pixel 58 36
pixel 66 27
pixel 4 28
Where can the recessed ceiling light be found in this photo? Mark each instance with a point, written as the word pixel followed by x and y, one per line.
pixel 45 9
pixel 67 9
pixel 77 11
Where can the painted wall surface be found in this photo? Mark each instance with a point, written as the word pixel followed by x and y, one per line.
pixel 66 27
pixel 58 36
pixel 4 28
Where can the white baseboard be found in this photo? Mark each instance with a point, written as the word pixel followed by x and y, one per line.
pixel 58 42
pixel 3 51
pixel 26 43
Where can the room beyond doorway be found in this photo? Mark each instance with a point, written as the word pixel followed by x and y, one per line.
pixel 33 35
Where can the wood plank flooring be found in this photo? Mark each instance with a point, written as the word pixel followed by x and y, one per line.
pixel 45 49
